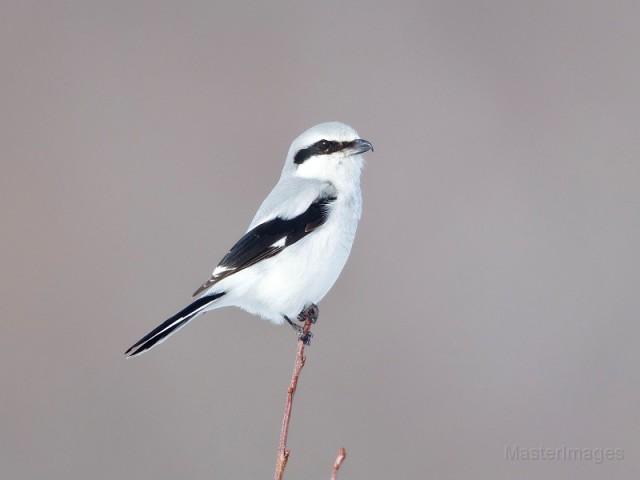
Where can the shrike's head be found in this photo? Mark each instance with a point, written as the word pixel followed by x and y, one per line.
pixel 329 152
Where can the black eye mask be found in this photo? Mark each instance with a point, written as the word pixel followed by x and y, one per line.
pixel 321 147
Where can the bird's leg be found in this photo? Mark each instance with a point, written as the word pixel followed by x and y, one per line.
pixel 310 312
pixel 308 316
pixel 298 329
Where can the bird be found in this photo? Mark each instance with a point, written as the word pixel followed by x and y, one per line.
pixel 297 243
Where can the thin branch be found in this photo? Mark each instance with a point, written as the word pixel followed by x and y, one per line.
pixel 283 450
pixel 342 454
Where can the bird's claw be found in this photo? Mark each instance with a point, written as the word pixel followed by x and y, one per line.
pixel 305 337
pixel 308 314
pixel 311 313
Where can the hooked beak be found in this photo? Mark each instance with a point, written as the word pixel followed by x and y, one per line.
pixel 359 146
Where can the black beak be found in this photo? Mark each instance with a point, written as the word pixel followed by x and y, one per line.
pixel 359 146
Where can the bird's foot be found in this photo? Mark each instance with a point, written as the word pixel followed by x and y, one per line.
pixel 310 312
pixel 305 337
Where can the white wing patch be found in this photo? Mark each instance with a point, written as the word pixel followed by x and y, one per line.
pixel 279 243
pixel 220 269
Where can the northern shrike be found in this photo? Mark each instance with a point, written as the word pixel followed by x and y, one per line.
pixel 297 243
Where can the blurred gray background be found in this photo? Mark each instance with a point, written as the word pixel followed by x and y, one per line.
pixel 492 295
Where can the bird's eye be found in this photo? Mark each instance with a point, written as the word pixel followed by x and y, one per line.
pixel 323 145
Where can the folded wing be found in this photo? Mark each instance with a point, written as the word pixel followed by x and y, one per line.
pixel 269 239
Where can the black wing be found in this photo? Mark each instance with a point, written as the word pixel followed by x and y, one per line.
pixel 269 239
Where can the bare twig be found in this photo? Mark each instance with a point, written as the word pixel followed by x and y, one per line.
pixel 342 454
pixel 283 450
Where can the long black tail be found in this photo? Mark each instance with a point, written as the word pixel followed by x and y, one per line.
pixel 166 328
